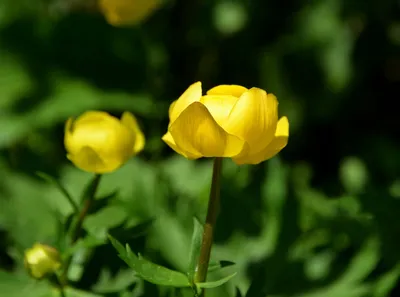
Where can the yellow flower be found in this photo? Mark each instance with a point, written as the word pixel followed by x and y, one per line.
pixel 230 121
pixel 98 142
pixel 127 12
pixel 41 260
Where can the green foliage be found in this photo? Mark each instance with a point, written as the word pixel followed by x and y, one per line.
pixel 320 219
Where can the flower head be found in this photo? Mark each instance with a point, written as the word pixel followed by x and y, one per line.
pixel 41 260
pixel 127 12
pixel 98 142
pixel 229 121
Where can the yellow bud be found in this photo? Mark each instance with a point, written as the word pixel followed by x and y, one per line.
pixel 98 142
pixel 41 260
pixel 229 121
pixel 127 12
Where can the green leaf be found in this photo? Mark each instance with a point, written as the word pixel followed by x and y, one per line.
pixel 101 202
pixel 219 265
pixel 217 283
pixel 195 247
pixel 149 271
pixel 62 189
pixel 87 242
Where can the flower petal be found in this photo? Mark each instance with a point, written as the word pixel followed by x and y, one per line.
pixel 219 106
pixel 196 132
pixel 233 90
pixel 192 94
pixel 276 145
pixel 68 135
pixel 129 121
pixel 254 118
pixel 93 116
pixel 88 160
pixel 167 138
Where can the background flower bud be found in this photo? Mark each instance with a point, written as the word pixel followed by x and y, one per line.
pixel 41 260
pixel 127 12
pixel 229 121
pixel 98 142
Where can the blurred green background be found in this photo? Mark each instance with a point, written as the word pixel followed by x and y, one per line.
pixel 320 219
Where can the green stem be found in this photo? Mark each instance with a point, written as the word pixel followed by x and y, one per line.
pixel 76 228
pixel 208 233
pixel 60 286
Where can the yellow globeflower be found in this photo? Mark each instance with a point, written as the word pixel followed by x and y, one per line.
pixel 41 260
pixel 230 121
pixel 127 12
pixel 98 142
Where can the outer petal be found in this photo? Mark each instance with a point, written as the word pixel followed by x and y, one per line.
pixel 88 160
pixel 219 106
pixel 167 138
pixel 196 132
pixel 254 119
pixel 192 94
pixel 93 116
pixel 129 121
pixel 233 90
pixel 68 134
pixel 276 145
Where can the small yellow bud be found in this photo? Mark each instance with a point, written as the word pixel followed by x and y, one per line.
pixel 41 260
pixel 100 143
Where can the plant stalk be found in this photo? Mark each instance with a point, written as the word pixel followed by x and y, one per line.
pixel 209 226
pixel 77 226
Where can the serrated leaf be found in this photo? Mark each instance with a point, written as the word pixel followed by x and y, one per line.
pixel 219 265
pixel 195 247
pixel 217 283
pixel 62 189
pixel 149 271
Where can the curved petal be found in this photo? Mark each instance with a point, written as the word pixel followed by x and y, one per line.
pixel 88 160
pixel 219 106
pixel 254 118
pixel 196 132
pixel 167 138
pixel 129 121
pixel 276 145
pixel 68 135
pixel 233 90
pixel 93 116
pixel 192 94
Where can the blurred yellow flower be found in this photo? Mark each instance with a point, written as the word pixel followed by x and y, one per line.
pixel 98 142
pixel 230 121
pixel 127 12
pixel 41 260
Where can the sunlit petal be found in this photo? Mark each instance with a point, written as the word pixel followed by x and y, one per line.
pixel 254 118
pixel 88 160
pixel 167 138
pixel 219 106
pixel 196 132
pixel 129 121
pixel 192 94
pixel 276 145
pixel 233 90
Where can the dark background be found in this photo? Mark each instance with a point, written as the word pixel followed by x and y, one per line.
pixel 321 219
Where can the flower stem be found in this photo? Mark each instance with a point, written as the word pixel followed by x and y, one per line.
pixel 212 212
pixel 76 228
